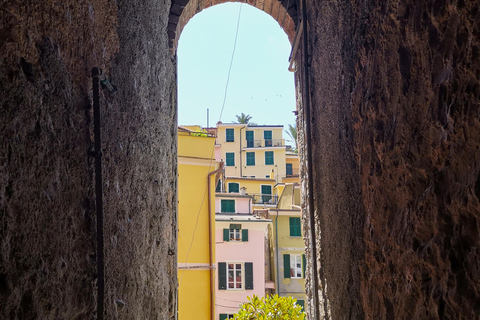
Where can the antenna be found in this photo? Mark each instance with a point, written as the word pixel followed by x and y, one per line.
pixel 207 119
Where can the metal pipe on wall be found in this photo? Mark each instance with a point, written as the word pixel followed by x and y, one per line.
pixel 210 242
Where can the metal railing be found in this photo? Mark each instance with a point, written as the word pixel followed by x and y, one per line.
pixel 265 143
pixel 295 172
pixel 264 198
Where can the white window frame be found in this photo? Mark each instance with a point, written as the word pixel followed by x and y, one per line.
pixel 296 270
pixel 235 234
pixel 235 281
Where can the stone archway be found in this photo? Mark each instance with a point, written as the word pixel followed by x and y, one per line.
pixel 284 12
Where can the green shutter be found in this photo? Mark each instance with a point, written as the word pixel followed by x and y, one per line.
pixel 230 159
pixel 233 187
pixel 227 206
pixel 222 276
pixel 223 316
pixel 269 157
pixel 301 303
pixel 304 264
pixel 248 276
pixel 295 227
pixel 289 169
pixel 230 135
pixel 226 235
pixel 286 266
pixel 244 235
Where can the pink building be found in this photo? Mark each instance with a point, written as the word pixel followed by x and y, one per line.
pixel 240 255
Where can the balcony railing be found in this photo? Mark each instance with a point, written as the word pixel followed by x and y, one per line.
pixel 265 143
pixel 264 198
pixel 293 172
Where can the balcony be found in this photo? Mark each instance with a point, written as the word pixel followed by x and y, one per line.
pixel 292 172
pixel 265 143
pixel 270 199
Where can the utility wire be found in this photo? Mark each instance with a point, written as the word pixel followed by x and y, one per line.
pixel 231 62
pixel 213 150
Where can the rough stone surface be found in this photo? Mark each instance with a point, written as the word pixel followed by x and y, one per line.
pixel 47 202
pixel 395 93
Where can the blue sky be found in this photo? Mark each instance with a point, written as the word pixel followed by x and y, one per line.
pixel 260 83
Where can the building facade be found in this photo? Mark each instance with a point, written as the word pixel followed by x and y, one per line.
pixel 196 220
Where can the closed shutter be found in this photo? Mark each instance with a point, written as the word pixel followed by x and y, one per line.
pixel 286 266
pixel 289 169
pixel 233 187
pixel 230 135
pixel 269 157
pixel 295 227
pixel 248 276
pixel 230 159
pixel 222 276
pixel 304 264
pixel 226 235
pixel 244 235
pixel 227 206
pixel 223 316
pixel 301 303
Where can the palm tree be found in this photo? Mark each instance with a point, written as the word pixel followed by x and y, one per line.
pixel 292 133
pixel 243 118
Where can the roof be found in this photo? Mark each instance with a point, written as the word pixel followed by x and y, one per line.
pixel 240 217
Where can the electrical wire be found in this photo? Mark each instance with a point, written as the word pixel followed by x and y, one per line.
pixel 231 62
pixel 213 150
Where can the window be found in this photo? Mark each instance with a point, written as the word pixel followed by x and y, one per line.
pixel 266 194
pixel 233 187
pixel 268 157
pixel 230 158
pixel 224 316
pixel 229 135
pixel 295 227
pixel 250 158
pixel 235 233
pixel 267 135
pixel 289 169
pixel 227 206
pixel 249 138
pixel 235 275
pixel 294 266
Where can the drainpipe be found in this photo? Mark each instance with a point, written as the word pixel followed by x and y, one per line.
pixel 276 248
pixel 311 207
pixel 241 151
pixel 210 242
pixel 96 74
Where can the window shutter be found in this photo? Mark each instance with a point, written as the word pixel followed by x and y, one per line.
pixel 301 303
pixel 248 276
pixel 223 316
pixel 244 235
pixel 226 235
pixel 286 266
pixel 304 264
pixel 222 276
pixel 292 227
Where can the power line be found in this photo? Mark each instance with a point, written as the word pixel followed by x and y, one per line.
pixel 231 62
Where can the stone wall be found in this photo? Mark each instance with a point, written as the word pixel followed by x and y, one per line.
pixel 47 203
pixel 395 97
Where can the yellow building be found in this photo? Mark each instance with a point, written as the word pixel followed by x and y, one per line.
pixel 252 151
pixel 197 174
pixel 286 239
